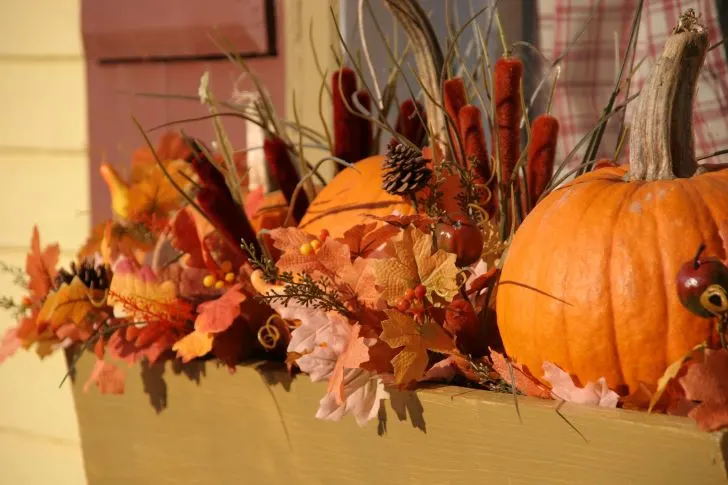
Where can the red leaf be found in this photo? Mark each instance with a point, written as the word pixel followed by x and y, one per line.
pixel 524 381
pixel 107 377
pixel 707 383
pixel 41 266
pixel 185 238
pixel 216 316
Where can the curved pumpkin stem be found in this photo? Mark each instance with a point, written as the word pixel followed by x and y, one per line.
pixel 661 135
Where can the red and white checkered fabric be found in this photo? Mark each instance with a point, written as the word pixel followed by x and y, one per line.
pixel 589 71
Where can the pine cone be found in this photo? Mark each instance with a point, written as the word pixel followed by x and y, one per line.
pixel 94 277
pixel 405 171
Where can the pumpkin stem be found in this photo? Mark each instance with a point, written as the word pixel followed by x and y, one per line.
pixel 661 135
pixel 696 259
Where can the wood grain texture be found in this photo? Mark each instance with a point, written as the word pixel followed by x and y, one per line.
pixel 227 429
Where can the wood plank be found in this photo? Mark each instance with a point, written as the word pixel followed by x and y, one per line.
pixel 38 460
pixel 40 28
pixel 44 104
pixel 52 192
pixel 233 425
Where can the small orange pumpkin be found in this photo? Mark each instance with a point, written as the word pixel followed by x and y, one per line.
pixel 350 197
pixel 596 261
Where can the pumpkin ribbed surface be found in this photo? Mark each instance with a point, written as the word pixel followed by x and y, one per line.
pixel 611 250
pixel 350 197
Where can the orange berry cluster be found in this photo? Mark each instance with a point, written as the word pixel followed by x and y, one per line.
pixel 224 276
pixel 413 301
pixel 313 246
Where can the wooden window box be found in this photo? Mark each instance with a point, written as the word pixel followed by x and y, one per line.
pixel 228 428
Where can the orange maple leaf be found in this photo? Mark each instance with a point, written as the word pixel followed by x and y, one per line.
pixel 41 266
pixel 154 195
pixel 193 345
pixel 217 315
pixel 113 240
pixel 171 146
pixel 331 259
pixel 71 303
pixel 364 239
pixel 355 353
pixel 400 330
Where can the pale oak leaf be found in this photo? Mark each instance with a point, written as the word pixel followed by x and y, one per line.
pixel 564 388
pixel 363 395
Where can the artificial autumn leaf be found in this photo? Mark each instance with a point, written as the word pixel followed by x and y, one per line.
pixel 364 239
pixel 69 304
pixel 41 266
pixel 400 330
pixel 355 353
pixel 196 344
pixel 9 344
pixel 217 315
pixel 359 279
pixel 289 238
pixel 122 241
pixel 154 195
pixel 564 388
pixel 423 223
pixel 185 238
pixel 171 146
pixel 415 263
pixel 331 259
pixel 127 349
pixel 522 379
pixel 107 377
pixel 706 382
pixel 672 371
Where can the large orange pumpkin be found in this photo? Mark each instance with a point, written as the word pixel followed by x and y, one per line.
pixel 611 243
pixel 350 197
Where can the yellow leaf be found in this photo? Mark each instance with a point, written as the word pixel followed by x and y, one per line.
pixel 70 304
pixel 154 194
pixel 400 330
pixel 415 263
pixel 195 344
pixel 138 294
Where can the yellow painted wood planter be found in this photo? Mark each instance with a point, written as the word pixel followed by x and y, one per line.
pixel 236 429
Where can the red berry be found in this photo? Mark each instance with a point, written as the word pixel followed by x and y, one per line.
pixel 409 294
pixel 420 291
pixel 324 234
pixel 403 305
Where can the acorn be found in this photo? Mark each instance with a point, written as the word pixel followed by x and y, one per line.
pixel 702 284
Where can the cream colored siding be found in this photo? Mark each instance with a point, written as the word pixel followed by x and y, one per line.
pixel 44 181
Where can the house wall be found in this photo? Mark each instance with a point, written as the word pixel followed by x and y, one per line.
pixel 44 170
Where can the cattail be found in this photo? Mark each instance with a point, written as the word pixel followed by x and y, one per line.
pixel 411 122
pixel 279 161
pixel 343 87
pixel 507 93
pixel 227 217
pixel 476 151
pixel 362 133
pixel 455 97
pixel 208 173
pixel 541 154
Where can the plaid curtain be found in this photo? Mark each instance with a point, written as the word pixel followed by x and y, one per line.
pixel 589 71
